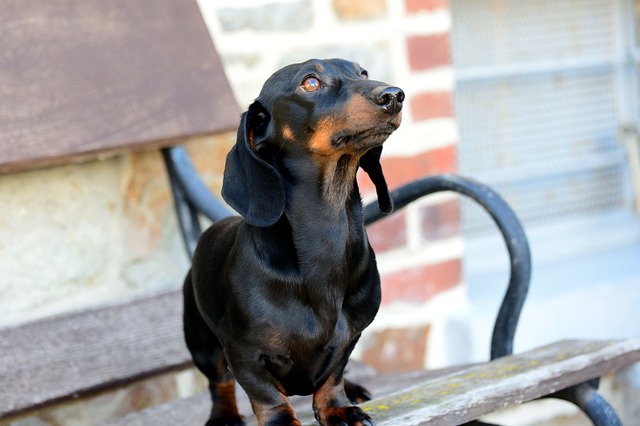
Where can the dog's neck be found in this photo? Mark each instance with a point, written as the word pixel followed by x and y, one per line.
pixel 338 180
pixel 325 185
pixel 324 211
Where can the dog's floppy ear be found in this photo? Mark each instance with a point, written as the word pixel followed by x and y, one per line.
pixel 251 184
pixel 370 163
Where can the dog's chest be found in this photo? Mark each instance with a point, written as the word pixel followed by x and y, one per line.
pixel 303 361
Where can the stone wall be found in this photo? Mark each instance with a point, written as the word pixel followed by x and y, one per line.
pixel 90 233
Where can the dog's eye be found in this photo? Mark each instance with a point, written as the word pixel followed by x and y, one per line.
pixel 310 84
pixel 364 75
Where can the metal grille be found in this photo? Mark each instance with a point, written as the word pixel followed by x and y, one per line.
pixel 495 32
pixel 537 105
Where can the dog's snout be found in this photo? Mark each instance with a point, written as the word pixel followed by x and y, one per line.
pixel 389 98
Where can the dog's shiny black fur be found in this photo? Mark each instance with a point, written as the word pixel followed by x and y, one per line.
pixel 277 299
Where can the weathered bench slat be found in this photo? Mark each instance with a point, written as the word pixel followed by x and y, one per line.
pixel 83 77
pixel 467 394
pixel 445 397
pixel 72 355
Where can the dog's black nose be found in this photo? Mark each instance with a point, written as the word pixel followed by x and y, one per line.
pixel 389 98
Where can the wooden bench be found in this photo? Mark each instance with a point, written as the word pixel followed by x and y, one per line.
pixel 449 396
pixel 87 79
pixel 171 81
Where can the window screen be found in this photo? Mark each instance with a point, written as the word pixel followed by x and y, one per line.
pixel 538 103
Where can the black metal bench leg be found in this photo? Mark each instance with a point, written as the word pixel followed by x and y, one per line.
pixel 191 196
pixel 587 398
pixel 186 212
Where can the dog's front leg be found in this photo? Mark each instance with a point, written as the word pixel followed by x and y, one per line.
pixel 271 406
pixel 332 406
pixel 270 414
pixel 268 399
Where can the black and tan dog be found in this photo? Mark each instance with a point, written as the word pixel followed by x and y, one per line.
pixel 278 298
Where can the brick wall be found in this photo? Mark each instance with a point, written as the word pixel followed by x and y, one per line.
pixel 404 42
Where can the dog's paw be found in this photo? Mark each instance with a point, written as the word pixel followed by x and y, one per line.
pixel 343 416
pixel 357 394
pixel 226 421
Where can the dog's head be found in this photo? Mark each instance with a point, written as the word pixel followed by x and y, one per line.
pixel 325 110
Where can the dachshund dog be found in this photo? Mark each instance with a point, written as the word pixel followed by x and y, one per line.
pixel 277 299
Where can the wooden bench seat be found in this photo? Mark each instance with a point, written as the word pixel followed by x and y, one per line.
pixel 79 354
pixel 470 392
pixel 444 397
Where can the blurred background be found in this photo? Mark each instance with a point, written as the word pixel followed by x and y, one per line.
pixel 537 98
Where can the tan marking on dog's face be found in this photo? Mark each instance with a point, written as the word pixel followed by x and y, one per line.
pixel 287 133
pixel 361 114
pixel 358 114
pixel 320 142
pixel 252 142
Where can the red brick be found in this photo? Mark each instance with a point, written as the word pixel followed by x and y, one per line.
pixel 441 220
pixel 389 233
pixel 401 170
pixel 413 6
pixel 395 350
pixel 421 283
pixel 432 105
pixel 359 9
pixel 428 51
